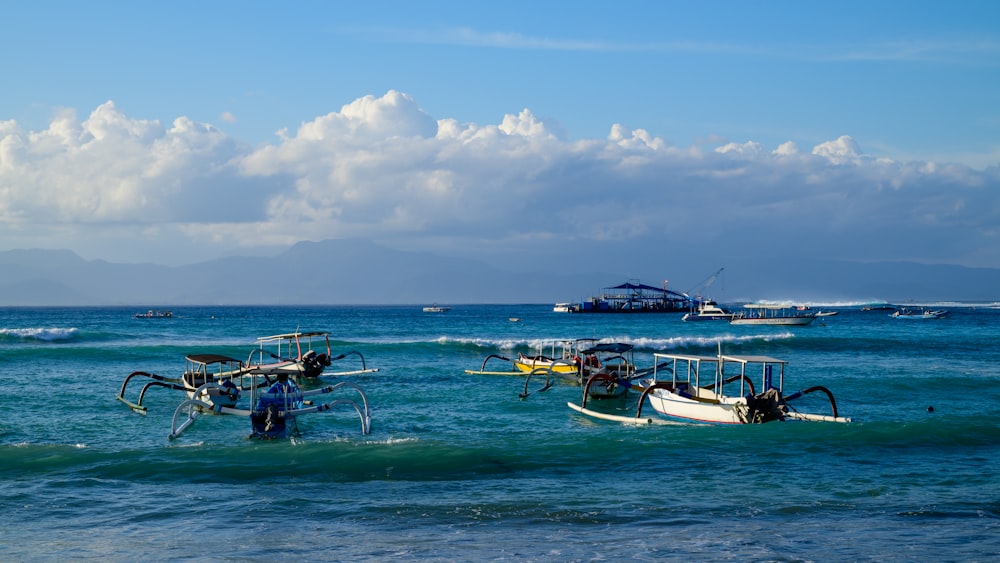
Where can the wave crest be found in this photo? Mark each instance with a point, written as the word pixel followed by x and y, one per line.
pixel 643 343
pixel 43 334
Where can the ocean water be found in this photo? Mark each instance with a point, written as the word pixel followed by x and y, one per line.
pixel 458 467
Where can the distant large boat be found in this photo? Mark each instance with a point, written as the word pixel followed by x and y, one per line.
pixel 634 297
pixel 709 311
pixel 758 314
pixel 435 308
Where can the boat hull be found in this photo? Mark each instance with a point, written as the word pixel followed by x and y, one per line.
pixel 675 406
pixel 688 317
pixel 783 321
pixel 528 365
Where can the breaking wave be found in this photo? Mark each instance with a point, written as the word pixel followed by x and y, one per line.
pixel 54 334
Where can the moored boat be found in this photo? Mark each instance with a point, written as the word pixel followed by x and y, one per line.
pixel 763 314
pixel 919 314
pixel 693 389
pixel 708 311
pixel 273 412
pixel 634 297
pixel 606 369
pixel 199 369
pixel 151 314
pixel 692 396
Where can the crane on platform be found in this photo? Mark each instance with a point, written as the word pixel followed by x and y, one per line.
pixel 703 285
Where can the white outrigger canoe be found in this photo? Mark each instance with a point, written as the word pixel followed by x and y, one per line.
pixel 294 354
pixel 695 392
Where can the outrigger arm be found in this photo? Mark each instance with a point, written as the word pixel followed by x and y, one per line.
pixel 174 383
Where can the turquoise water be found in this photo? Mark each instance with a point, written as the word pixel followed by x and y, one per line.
pixel 457 467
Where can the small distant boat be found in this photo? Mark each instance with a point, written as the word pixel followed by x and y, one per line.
pixel 826 313
pixel 151 314
pixel 435 308
pixel 708 311
pixel 514 319
pixel 757 314
pixel 878 307
pixel 919 314
pixel 561 308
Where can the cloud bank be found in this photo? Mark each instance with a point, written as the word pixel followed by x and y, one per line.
pixel 383 168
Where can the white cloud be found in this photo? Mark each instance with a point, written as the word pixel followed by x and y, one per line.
pixel 383 168
pixel 786 149
pixel 840 151
pixel 747 149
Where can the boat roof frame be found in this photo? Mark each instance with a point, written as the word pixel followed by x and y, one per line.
pixel 720 362
pixel 292 336
pixel 208 359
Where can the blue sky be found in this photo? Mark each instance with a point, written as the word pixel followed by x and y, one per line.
pixel 178 131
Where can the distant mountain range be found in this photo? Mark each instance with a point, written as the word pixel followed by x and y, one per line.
pixel 352 271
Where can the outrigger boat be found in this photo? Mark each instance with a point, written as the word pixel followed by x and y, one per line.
pixel 294 355
pixel 564 357
pixel 685 397
pixel 199 369
pixel 295 358
pixel 610 365
pixel 273 413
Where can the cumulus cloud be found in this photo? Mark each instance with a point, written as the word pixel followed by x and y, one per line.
pixel 838 151
pixel 383 168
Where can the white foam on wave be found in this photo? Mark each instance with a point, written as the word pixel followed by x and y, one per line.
pixel 47 334
pixel 642 343
pixel 704 341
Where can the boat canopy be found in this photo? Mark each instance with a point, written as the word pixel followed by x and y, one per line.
pixel 291 336
pixel 608 347
pixel 211 359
